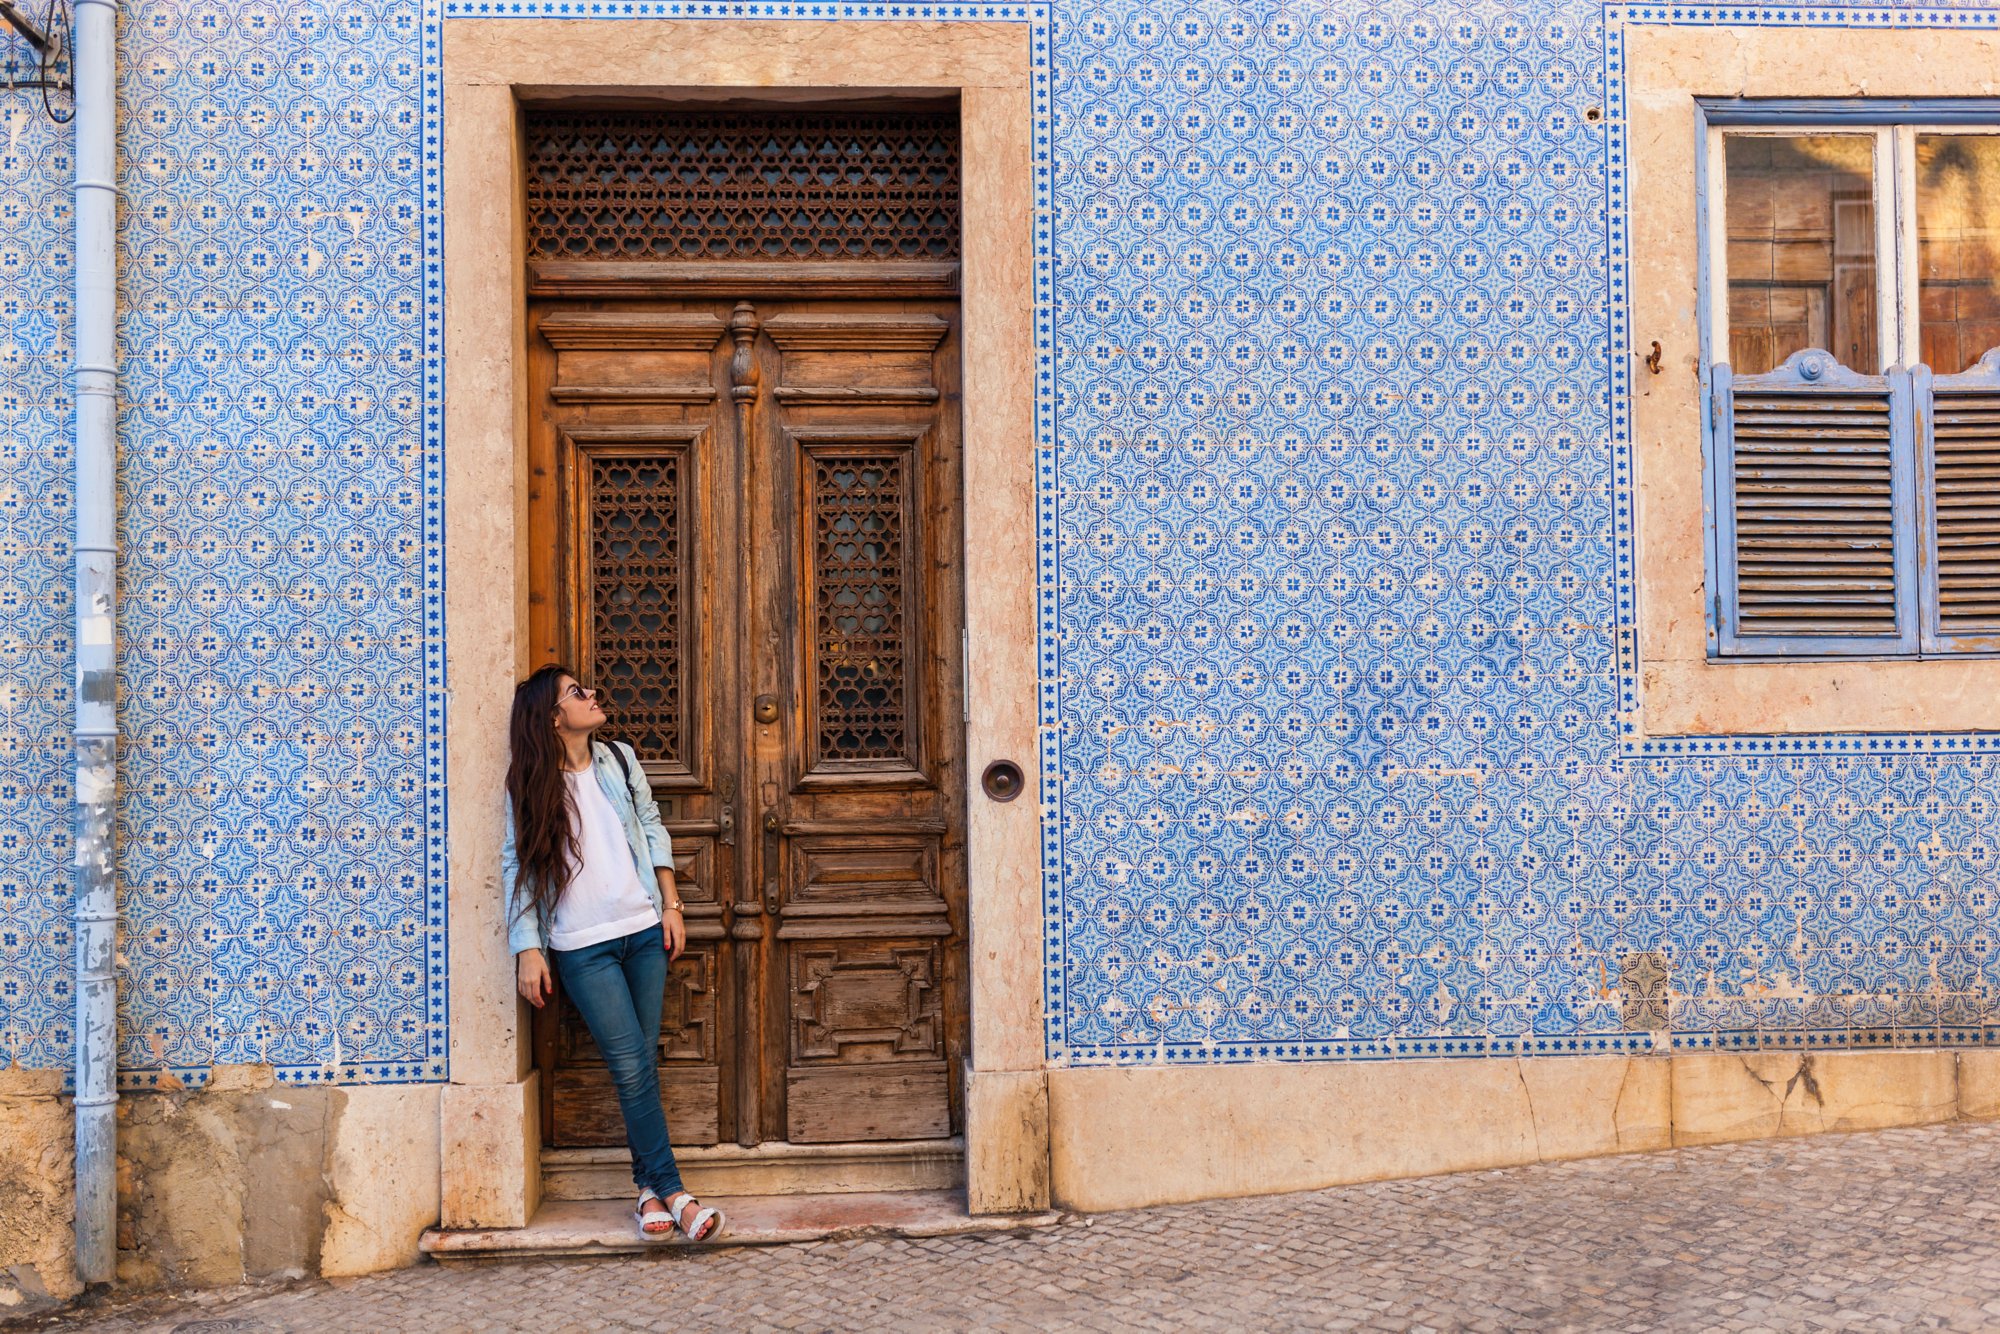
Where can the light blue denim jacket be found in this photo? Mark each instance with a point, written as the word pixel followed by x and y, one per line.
pixel 637 811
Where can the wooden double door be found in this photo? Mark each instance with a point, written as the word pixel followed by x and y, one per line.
pixel 744 528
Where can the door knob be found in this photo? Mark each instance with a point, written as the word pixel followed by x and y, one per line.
pixel 766 709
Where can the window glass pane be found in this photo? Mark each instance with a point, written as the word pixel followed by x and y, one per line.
pixel 1801 220
pixel 1958 248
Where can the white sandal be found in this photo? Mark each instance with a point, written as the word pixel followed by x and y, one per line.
pixel 707 1222
pixel 654 1224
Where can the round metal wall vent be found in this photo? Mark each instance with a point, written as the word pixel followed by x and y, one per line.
pixel 1002 780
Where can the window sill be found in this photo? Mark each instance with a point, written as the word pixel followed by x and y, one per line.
pixel 1711 697
pixel 1833 660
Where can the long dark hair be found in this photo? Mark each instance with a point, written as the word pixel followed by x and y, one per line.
pixel 544 837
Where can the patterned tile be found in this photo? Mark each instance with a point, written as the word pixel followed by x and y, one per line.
pixel 281 819
pixel 35 573
pixel 1334 562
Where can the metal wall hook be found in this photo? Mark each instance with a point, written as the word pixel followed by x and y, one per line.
pixel 50 40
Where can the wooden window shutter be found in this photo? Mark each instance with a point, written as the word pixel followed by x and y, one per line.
pixel 1813 476
pixel 1961 492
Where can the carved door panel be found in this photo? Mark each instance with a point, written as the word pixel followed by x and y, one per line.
pixel 855 742
pixel 632 475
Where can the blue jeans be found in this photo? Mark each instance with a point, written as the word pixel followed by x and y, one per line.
pixel 618 986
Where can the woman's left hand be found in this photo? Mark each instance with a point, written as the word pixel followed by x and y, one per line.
pixel 673 930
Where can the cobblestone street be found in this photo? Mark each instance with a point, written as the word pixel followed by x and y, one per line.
pixel 1892 1230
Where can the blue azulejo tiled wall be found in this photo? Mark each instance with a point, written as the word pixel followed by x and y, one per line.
pixel 1335 579
pixel 1336 625
pixel 35 534
pixel 281 594
pixel 281 809
pixel 1345 619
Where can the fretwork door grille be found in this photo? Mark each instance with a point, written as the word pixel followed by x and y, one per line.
pixel 845 185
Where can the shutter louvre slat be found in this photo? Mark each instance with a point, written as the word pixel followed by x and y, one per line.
pixel 1964 472
pixel 1824 542
pixel 1813 480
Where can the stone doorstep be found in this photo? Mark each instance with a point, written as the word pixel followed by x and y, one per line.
pixel 583 1228
pixel 767 1169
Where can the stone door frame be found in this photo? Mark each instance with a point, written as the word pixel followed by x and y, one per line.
pixel 490 1123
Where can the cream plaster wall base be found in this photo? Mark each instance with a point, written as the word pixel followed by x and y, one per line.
pixel 1120 1138
pixel 37 1193
pixel 382 1175
pixel 1720 1097
pixel 1585 1106
pixel 224 1183
pixel 1007 1138
pixel 241 1180
pixel 1979 1085
pixel 489 1138
pixel 1125 1138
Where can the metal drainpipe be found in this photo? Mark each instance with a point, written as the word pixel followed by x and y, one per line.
pixel 96 736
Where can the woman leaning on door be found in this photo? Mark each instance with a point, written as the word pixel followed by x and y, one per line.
pixel 589 873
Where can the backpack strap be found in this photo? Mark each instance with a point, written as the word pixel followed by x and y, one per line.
pixel 624 765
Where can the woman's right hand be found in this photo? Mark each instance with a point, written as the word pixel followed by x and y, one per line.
pixel 531 978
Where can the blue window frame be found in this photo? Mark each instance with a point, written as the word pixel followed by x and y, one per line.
pixel 1850 316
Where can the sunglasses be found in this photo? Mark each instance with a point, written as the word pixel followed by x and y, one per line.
pixel 582 692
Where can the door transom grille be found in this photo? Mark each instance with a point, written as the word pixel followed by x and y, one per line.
pixel 826 185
